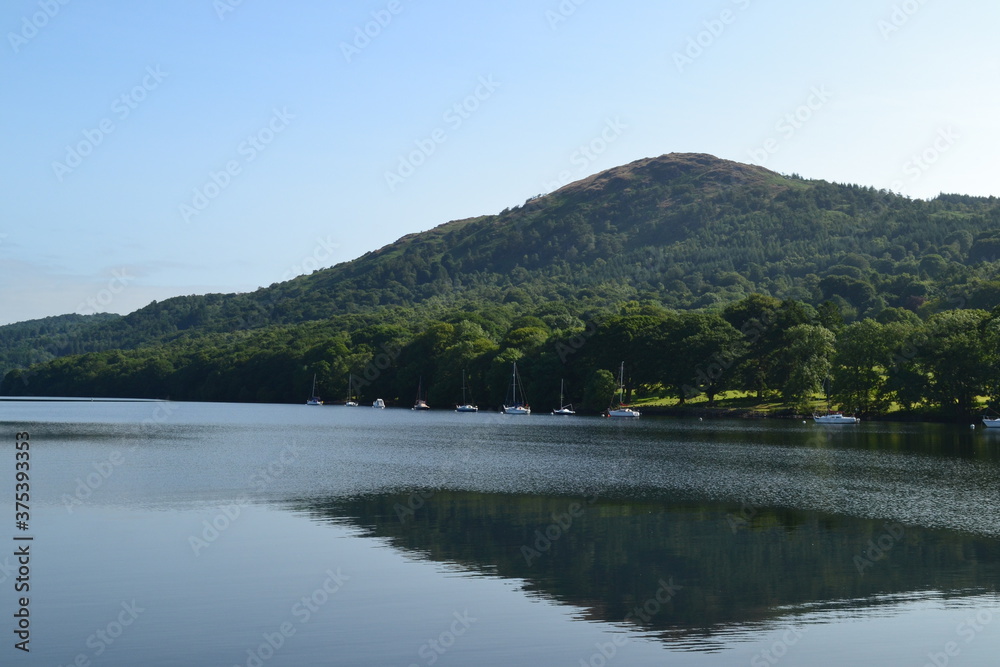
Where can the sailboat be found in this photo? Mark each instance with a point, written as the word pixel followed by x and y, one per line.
pixel 564 408
pixel 313 398
pixel 833 417
pixel 622 410
pixel 421 403
pixel 350 402
pixel 516 406
pixel 465 406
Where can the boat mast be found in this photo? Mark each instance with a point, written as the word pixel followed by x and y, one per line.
pixel 621 384
pixel 513 383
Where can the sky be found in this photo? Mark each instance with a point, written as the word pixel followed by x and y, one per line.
pixel 154 149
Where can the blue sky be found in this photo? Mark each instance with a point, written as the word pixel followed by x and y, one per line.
pixel 156 149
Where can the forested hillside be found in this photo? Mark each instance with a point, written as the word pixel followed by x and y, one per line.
pixel 682 238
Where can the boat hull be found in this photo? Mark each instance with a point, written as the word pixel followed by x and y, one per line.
pixel 466 408
pixel 564 412
pixel 835 419
pixel 516 410
pixel 624 413
pixel 991 423
pixel 379 404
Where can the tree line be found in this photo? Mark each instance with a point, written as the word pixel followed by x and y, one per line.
pixel 778 350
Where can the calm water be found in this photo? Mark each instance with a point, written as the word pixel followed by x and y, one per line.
pixel 206 534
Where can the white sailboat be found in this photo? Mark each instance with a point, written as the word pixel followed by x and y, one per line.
pixel 350 402
pixel 622 410
pixel 465 406
pixel 835 418
pixel 564 408
pixel 516 406
pixel 420 403
pixel 313 398
pixel 991 422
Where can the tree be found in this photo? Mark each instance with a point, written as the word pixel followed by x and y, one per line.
pixel 862 364
pixel 599 390
pixel 955 359
pixel 700 354
pixel 808 352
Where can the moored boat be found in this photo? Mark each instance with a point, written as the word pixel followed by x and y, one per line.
pixel 516 406
pixel 621 410
pixel 313 398
pixel 565 409
pixel 379 404
pixel 465 406
pixel 835 418
pixel 350 402
pixel 421 402
pixel 991 422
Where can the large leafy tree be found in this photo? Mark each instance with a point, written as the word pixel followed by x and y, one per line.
pixel 863 364
pixel 952 352
pixel 700 355
pixel 809 350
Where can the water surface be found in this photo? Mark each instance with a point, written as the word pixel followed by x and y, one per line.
pixel 294 535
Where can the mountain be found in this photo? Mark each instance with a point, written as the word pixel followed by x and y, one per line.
pixel 684 231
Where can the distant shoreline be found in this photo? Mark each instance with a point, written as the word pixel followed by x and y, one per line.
pixel 689 412
pixel 750 413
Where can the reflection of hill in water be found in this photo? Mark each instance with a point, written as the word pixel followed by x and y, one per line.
pixel 732 572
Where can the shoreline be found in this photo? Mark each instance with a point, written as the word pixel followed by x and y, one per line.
pixel 751 413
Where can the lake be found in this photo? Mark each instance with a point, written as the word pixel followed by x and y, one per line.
pixel 253 535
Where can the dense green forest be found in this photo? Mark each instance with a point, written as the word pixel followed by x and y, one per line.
pixel 788 350
pixel 702 275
